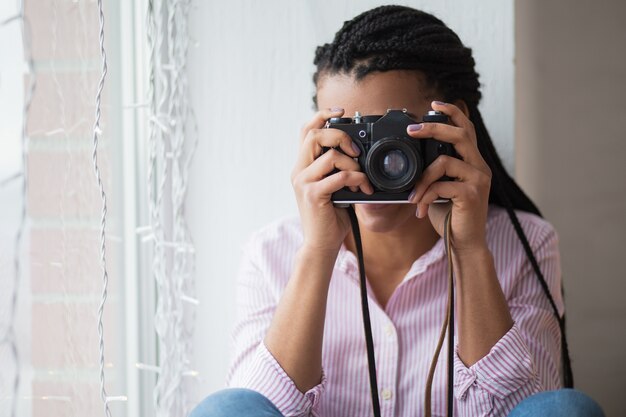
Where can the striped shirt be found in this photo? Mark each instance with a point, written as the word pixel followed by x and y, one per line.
pixel 524 361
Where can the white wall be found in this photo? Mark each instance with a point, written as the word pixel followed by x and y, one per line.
pixel 251 84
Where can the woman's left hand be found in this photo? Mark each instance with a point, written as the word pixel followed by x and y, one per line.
pixel 468 193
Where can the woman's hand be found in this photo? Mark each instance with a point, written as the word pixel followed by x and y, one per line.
pixel 469 193
pixel 325 226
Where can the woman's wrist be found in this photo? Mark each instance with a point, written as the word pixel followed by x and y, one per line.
pixel 471 260
pixel 313 251
pixel 317 259
pixel 477 252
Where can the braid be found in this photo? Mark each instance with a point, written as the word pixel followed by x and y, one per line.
pixel 401 38
pixel 396 37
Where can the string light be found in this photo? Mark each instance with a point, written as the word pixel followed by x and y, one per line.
pixel 145 367
pixel 172 141
pixel 105 278
pixel 7 180
pixel 42 398
pixel 111 399
pixel 157 369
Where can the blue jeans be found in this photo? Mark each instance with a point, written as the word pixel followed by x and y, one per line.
pixel 239 402
pixel 236 402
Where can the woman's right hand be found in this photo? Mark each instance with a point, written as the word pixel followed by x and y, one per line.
pixel 325 226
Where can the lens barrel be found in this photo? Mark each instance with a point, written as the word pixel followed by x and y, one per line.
pixel 393 164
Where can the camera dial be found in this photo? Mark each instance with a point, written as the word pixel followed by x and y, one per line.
pixel 435 116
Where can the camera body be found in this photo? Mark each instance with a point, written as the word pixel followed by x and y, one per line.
pixel 392 160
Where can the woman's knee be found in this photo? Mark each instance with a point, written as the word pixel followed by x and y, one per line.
pixel 236 402
pixel 563 402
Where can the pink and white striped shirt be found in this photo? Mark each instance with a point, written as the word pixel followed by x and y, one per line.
pixel 526 360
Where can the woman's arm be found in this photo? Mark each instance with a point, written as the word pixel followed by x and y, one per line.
pixel 279 343
pixel 526 359
pixel 484 316
pixel 295 335
pixel 506 349
pixel 482 311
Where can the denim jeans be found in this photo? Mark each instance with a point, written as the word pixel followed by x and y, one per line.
pixel 236 402
pixel 239 402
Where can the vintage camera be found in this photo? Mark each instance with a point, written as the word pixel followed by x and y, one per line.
pixel 392 160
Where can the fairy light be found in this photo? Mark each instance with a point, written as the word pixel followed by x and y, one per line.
pixel 157 370
pixel 97 131
pixel 7 180
pixel 172 141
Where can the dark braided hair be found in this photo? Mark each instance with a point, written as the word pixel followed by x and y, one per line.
pixel 401 38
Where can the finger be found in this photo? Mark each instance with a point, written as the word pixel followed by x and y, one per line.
pixel 456 115
pixel 326 164
pixel 452 167
pixel 319 120
pixel 441 131
pixel 339 180
pixel 459 193
pixel 311 148
pixel 331 138
pixel 440 190
pixel 437 215
pixel 464 141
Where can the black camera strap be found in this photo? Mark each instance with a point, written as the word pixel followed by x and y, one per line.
pixel 448 324
pixel 367 325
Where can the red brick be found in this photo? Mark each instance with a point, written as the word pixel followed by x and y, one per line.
pixel 70 399
pixel 65 334
pixel 63 185
pixel 69 261
pixel 71 25
pixel 63 105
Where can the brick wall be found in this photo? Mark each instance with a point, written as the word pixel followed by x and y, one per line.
pixel 64 216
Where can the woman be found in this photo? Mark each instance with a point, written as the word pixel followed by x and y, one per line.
pixel 299 341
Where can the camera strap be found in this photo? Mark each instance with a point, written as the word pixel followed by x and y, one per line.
pixel 448 324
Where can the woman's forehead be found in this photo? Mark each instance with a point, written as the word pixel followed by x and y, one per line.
pixel 376 92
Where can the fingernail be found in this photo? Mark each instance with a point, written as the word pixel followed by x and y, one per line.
pixel 412 195
pixel 440 103
pixel 417 212
pixel 356 148
pixel 415 128
pixel 336 109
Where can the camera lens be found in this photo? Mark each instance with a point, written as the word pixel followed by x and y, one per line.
pixel 395 164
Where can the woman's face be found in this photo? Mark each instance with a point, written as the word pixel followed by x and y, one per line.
pixel 373 95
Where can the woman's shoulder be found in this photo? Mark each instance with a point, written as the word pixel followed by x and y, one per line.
pixel 500 229
pixel 275 244
pixel 285 231
pixel 511 260
pixel 269 252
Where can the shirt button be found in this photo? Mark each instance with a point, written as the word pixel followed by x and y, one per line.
pixel 389 330
pixel 386 394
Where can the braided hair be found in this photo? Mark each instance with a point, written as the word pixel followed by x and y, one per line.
pixel 401 38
